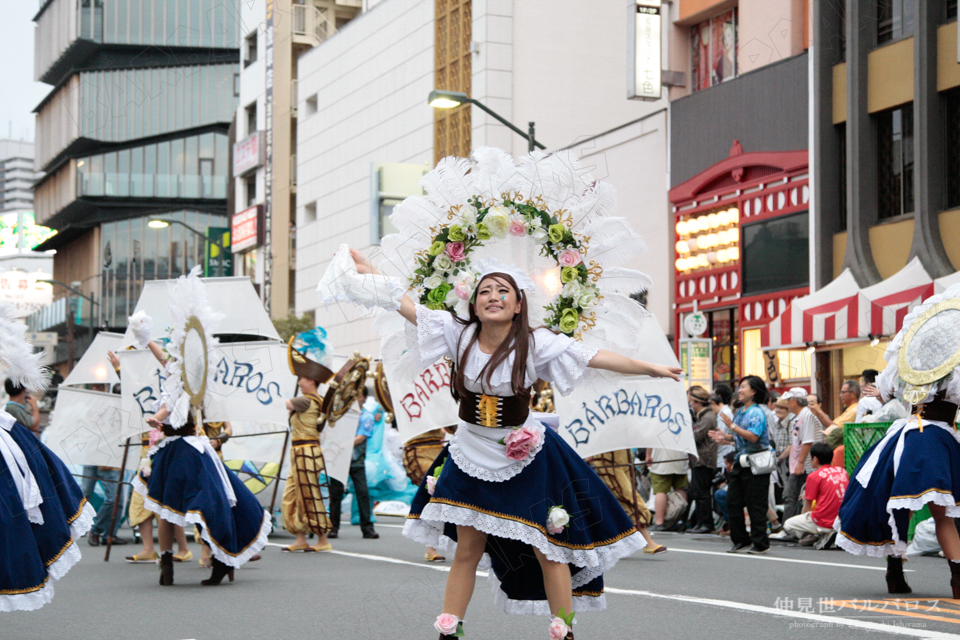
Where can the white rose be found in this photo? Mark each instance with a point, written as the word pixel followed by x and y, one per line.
pixel 443 262
pixel 535 222
pixel 539 234
pixel 587 299
pixel 557 518
pixel 572 290
pixel 452 298
pixel 498 221
pixel 467 216
pixel 433 281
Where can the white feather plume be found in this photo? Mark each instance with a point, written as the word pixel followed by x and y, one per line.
pixel 140 324
pixel 623 280
pixel 17 359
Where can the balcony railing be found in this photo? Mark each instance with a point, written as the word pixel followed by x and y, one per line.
pixel 311 26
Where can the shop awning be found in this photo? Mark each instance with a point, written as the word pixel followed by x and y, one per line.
pixel 842 312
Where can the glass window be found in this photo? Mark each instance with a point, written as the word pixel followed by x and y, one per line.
pixel 176 162
pixel 713 52
pixel 250 188
pixel 194 26
pixel 250 49
pixel 110 171
pixel 136 172
pixel 117 14
pixel 951 9
pixel 123 173
pixel 96 176
pixel 135 36
pixel 206 178
pixel 191 170
pixel 251 117
pixel 149 170
pixel 894 20
pixel 776 254
pixel 165 188
pixel 895 162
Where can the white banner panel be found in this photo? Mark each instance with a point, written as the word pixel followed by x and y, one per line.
pixel 94 367
pixel 86 427
pixel 625 413
pixel 421 401
pixel 252 379
pixel 337 444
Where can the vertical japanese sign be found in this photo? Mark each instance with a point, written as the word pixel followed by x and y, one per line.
pixel 696 359
pixel 644 46
pixel 266 290
pixel 219 263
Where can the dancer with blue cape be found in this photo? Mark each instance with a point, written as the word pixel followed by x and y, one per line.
pixel 508 491
pixel 42 510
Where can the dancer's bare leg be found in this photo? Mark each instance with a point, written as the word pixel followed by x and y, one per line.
pixel 463 570
pixel 181 536
pixel 165 535
pixel 946 532
pixel 146 536
pixel 557 583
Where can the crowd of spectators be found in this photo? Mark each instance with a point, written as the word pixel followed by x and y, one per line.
pixel 722 494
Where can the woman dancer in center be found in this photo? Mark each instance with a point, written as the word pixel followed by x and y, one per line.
pixel 514 486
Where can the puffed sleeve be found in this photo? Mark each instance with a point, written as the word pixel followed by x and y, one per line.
pixel 435 336
pixel 560 359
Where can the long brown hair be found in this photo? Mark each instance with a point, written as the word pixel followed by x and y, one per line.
pixel 518 340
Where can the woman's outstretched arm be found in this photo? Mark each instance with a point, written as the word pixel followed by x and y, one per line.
pixel 408 309
pixel 628 366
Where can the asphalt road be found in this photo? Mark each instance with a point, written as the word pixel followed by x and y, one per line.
pixel 382 589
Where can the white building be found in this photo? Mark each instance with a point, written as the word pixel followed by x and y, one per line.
pixel 16 175
pixel 366 132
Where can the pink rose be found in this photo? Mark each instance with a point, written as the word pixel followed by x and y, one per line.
pixel 463 290
pixel 455 251
pixel 520 442
pixel 155 436
pixel 446 624
pixel 431 484
pixel 558 629
pixel 569 258
pixel 517 228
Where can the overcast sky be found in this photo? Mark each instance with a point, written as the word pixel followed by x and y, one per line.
pixel 19 94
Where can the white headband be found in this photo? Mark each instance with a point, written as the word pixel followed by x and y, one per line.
pixel 490 265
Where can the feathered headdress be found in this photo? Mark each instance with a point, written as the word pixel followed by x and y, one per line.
pixel 188 302
pixel 17 359
pixel 141 324
pixel 923 359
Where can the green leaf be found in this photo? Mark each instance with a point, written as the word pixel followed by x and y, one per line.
pixel 566 617
pixel 459 633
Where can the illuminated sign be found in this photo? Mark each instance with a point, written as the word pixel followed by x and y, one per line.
pixel 248 154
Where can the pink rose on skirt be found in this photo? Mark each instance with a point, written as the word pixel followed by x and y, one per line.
pixel 155 436
pixel 521 442
pixel 456 251
pixel 569 258
pixel 431 484
pixel 558 629
pixel 446 624
pixel 517 228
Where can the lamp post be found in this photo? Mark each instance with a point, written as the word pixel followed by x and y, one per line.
pixel 163 223
pixel 450 99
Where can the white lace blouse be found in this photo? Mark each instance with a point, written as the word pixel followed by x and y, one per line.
pixel 552 357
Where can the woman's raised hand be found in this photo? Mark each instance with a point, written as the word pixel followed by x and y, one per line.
pixel 363 265
pixel 663 371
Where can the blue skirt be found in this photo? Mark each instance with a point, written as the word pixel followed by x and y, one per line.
pixel 33 556
pixel 874 520
pixel 184 488
pixel 513 514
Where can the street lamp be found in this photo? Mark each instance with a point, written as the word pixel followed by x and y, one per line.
pixel 163 223
pixel 450 99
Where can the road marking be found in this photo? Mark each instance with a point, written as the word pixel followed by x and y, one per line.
pixel 806 617
pixel 910 608
pixel 775 559
pixel 726 604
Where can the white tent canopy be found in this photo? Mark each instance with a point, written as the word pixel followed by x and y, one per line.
pixel 228 295
pixel 94 367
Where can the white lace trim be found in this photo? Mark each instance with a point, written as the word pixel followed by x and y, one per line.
pixel 574 361
pixel 540 607
pixel 27 601
pixel 899 547
pixel 83 523
pixel 64 563
pixel 501 475
pixel 428 530
pixel 160 445
pixel 430 342
pixel 266 526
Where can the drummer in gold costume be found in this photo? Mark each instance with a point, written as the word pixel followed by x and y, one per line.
pixel 302 507
pixel 418 454
pixel 618 472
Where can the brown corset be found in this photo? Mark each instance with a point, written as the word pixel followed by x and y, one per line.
pixel 493 411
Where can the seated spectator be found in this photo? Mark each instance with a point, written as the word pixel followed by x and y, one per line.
pixel 825 487
pixel 720 495
pixel 868 405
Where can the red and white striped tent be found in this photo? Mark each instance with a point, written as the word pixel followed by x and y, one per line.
pixel 842 312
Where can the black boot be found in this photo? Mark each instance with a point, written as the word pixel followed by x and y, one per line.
pixel 166 568
pixel 896 583
pixel 955 578
pixel 220 570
